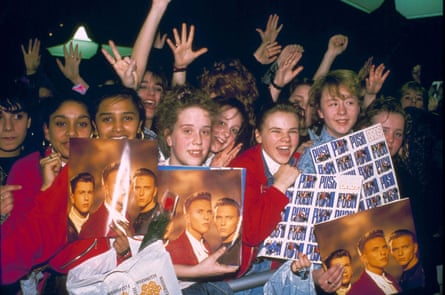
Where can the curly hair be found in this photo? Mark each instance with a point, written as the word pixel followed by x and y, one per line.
pixel 175 101
pixel 230 78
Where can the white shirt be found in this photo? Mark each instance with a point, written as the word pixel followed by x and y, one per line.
pixel 77 220
pixel 383 283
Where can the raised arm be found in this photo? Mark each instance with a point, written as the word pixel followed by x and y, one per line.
pixel 70 69
pixel 337 44
pixel 125 67
pixel 287 69
pixel 146 36
pixel 269 49
pixel 183 53
pixel 374 83
pixel 31 56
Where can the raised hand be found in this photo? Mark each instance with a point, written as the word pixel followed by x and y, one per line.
pixel 337 44
pixel 224 157
pixel 32 56
pixel 125 67
pixel 364 70
pixel 376 78
pixel 50 167
pixel 159 40
pixel 267 53
pixel 270 34
pixel 182 47
pixel 287 62
pixel 374 83
pixel 70 69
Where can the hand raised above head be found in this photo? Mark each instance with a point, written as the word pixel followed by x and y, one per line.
pixel 182 49
pixel 270 34
pixel 32 56
pixel 125 67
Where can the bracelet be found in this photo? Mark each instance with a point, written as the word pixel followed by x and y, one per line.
pixel 276 86
pixel 80 88
pixel 176 70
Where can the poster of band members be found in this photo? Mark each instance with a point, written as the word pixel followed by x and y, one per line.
pixel 313 199
pixel 208 213
pixel 111 182
pixel 374 244
pixel 364 153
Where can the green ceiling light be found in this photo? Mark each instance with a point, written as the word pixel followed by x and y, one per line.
pixel 367 6
pixel 418 9
pixel 123 51
pixel 87 46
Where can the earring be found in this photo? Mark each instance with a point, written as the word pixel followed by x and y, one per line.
pixel 140 134
pixel 94 135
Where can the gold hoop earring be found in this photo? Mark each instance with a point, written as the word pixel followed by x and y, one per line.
pixel 140 134
pixel 94 135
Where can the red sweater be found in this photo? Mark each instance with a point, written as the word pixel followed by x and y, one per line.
pixel 262 205
pixel 38 235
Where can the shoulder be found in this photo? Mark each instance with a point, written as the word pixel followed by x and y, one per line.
pixel 27 161
pixel 248 157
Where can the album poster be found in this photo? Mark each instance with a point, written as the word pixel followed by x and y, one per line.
pixel 364 153
pixel 313 199
pixel 209 208
pixel 111 182
pixel 393 222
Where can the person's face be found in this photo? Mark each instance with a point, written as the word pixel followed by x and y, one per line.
pixel 150 93
pixel 279 136
pixel 112 185
pixel 376 254
pixel 226 221
pixel 82 197
pixel 117 118
pixel 71 119
pixel 189 141
pixel 412 98
pixel 393 125
pixel 404 251
pixel 300 98
pixel 226 128
pixel 13 129
pixel 339 113
pixel 347 273
pixel 145 191
pixel 199 217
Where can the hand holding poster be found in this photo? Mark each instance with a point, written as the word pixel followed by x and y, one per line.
pixel 364 152
pixel 313 199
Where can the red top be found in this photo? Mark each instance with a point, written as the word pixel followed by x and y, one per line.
pixel 262 205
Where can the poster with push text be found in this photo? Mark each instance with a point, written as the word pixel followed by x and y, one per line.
pixel 313 199
pixel 364 152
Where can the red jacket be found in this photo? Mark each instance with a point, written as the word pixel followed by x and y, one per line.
pixel 39 235
pixel 26 172
pixel 262 205
pixel 365 285
pixel 181 251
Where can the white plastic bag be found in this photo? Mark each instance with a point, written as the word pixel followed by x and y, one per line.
pixel 147 272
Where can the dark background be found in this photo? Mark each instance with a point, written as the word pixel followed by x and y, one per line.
pixel 227 28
